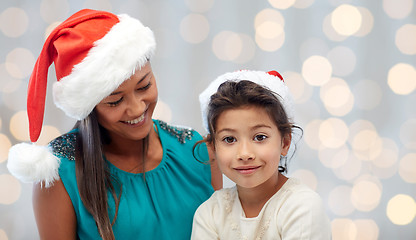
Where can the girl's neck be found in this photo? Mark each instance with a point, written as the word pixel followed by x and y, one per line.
pixel 253 199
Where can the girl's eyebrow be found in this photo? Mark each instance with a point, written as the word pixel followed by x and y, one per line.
pixel 141 80
pixel 253 128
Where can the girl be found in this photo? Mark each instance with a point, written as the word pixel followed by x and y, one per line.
pixel 250 131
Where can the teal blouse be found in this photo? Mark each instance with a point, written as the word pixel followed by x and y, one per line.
pixel 160 207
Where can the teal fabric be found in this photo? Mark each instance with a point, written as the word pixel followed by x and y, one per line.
pixel 162 207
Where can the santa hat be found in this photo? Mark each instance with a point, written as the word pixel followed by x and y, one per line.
pixel 271 80
pixel 93 53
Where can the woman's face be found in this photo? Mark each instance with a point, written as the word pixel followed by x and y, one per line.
pixel 127 112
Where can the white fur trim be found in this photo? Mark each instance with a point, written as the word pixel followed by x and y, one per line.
pixel 32 163
pixel 263 78
pixel 113 59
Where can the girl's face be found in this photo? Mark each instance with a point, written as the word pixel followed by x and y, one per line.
pixel 248 146
pixel 127 112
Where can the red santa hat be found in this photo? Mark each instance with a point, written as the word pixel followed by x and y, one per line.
pixel 93 53
pixel 271 80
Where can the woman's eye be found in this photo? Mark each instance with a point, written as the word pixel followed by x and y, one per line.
pixel 113 104
pixel 260 137
pixel 145 87
pixel 229 139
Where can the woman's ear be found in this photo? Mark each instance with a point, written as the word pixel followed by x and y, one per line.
pixel 286 140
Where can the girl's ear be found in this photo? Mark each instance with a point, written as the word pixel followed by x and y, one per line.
pixel 286 140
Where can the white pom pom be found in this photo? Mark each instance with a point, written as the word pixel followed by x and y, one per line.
pixel 32 163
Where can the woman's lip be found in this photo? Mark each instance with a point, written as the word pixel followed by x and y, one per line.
pixel 247 169
pixel 136 121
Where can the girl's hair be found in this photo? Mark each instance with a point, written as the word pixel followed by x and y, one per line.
pixel 235 94
pixel 92 174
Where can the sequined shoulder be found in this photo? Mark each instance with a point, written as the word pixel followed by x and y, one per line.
pixel 181 133
pixel 64 146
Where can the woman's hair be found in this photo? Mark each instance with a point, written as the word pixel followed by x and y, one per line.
pixel 232 94
pixel 93 176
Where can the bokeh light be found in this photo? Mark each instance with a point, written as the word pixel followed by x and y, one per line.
pixel 10 189
pixel 312 134
pixel 407 168
pixel 343 229
pixel 227 46
pixel 99 4
pixel 350 170
pixel 316 70
pixel 302 4
pixel 50 28
pixel 330 32
pixel 339 200
pixel 14 22
pixel 194 28
pixel 402 78
pixel 5 145
pixel 333 133
pixel 8 84
pixel 54 10
pixel 367 145
pixel 19 126
pixel 248 49
pixel 397 9
pixel 401 209
pixel 47 134
pixel 367 22
pixel 20 62
pixel 334 157
pixel 346 19
pixel 269 26
pixel 269 15
pixel 367 94
pixel 337 97
pixel 199 6
pixel 367 229
pixel 162 111
pixel 408 133
pixel 3 235
pixel 342 60
pixel 406 39
pixel 282 4
pixel 365 195
pixel 266 43
pixel 300 91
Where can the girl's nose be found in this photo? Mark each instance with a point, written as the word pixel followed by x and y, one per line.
pixel 245 152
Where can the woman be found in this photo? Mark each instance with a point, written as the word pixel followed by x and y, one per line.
pixel 118 174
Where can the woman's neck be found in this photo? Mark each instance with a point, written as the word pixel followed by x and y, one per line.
pixel 127 155
pixel 253 199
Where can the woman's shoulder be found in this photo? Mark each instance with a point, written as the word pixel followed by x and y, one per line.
pixel 64 146
pixel 181 134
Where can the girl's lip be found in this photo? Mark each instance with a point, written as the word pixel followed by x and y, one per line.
pixel 247 169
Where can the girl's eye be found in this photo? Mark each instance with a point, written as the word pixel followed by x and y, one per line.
pixel 145 87
pixel 260 137
pixel 229 139
pixel 113 104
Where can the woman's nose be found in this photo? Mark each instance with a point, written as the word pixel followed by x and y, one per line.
pixel 136 106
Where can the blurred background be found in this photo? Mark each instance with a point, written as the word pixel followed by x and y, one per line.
pixel 351 66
